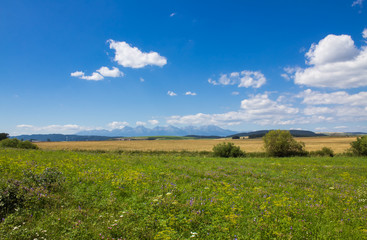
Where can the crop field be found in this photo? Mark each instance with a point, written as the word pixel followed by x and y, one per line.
pixel 338 144
pixel 86 195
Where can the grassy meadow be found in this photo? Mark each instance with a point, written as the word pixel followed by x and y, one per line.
pixel 86 195
pixel 338 144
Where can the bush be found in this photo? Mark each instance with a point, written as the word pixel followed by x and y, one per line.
pixel 15 143
pixel 27 145
pixel 325 151
pixel 280 143
pixel 359 147
pixel 227 150
pixel 10 142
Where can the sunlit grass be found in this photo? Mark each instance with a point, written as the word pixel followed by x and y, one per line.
pixel 140 196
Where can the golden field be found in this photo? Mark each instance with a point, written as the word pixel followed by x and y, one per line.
pixel 338 144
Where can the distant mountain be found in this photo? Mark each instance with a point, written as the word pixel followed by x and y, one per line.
pixel 59 138
pixel 141 131
pixel 294 133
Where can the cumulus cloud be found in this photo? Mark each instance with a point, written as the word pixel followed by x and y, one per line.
pixel 153 122
pixel 64 129
pixel 94 77
pixel 170 93
pixel 114 72
pixel 259 109
pixel 172 14
pixel 242 79
pixel 335 62
pixel 317 110
pixel 132 57
pixel 341 98
pixel 141 79
pixel 331 49
pixel 117 125
pixel 99 74
pixel 289 72
pixel 339 106
pixel 190 93
pixel 77 74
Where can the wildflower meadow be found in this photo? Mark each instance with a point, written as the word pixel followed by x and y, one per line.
pixel 90 195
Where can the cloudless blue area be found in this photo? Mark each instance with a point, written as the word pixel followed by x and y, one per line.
pixel 43 42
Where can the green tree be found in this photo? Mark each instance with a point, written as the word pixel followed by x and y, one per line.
pixel 359 147
pixel 3 136
pixel 280 143
pixel 227 150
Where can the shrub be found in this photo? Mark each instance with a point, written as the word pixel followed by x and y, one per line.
pixel 15 143
pixel 359 147
pixel 227 150
pixel 27 145
pixel 325 151
pixel 280 143
pixel 236 137
pixel 10 142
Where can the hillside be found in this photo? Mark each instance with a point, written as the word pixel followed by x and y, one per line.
pixel 261 133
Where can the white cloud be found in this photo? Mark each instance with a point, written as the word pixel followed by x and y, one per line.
pixel 235 93
pixel 364 34
pixel 340 127
pixel 99 74
pixel 357 2
pixel 336 106
pixel 211 81
pixel 117 125
pixel 317 110
pixel 172 14
pixel 285 76
pixel 170 93
pixel 263 106
pixel 129 56
pixel 64 129
pixel 77 74
pixel 331 49
pixel 242 79
pixel 141 79
pixel 190 93
pixel 341 97
pixel 139 123
pixel 336 63
pixel 114 72
pixel 289 72
pixel 153 122
pixel 258 109
pixel 94 77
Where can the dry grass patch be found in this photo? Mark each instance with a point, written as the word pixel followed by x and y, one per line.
pixel 338 144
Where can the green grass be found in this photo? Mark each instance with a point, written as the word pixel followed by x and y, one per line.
pixel 168 196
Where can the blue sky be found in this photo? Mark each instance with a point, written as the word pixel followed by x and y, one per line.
pixel 68 66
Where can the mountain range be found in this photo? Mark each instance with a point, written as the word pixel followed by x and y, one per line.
pixel 140 131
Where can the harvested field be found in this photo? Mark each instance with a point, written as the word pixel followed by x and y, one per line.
pixel 338 144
